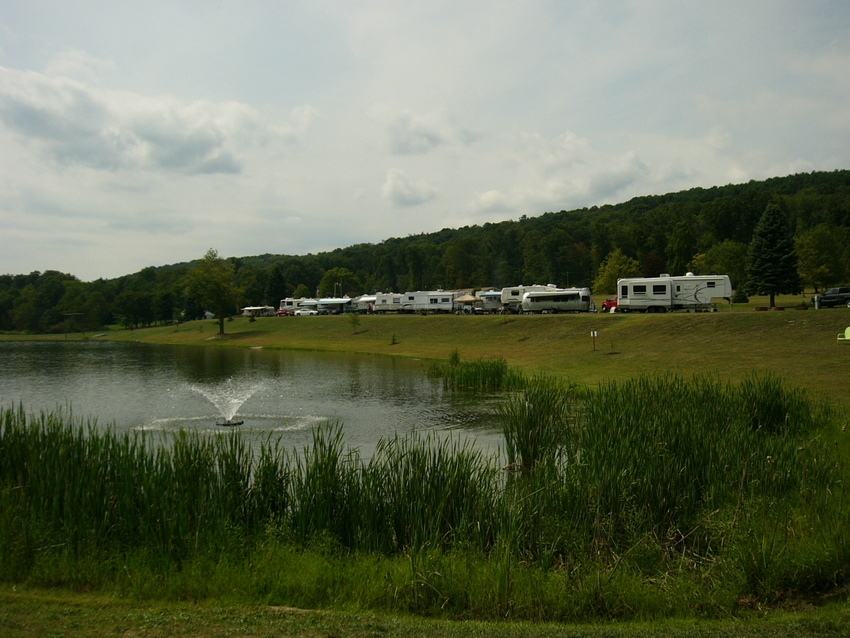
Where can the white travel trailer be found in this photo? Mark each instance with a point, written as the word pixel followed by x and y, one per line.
pixel 512 297
pixel 660 294
pixel 388 302
pixel 558 300
pixel 333 305
pixel 429 301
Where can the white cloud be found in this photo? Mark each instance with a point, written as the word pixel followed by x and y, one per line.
pixel 77 124
pixel 402 190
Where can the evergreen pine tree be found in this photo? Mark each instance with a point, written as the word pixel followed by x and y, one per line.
pixel 772 257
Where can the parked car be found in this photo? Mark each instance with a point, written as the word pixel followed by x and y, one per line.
pixel 305 312
pixel 834 297
pixel 284 313
pixel 609 303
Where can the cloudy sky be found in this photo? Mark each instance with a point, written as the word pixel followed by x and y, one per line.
pixel 143 133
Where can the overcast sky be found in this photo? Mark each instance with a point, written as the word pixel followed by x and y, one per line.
pixel 138 134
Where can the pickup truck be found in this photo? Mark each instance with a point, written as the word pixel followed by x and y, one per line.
pixel 834 297
pixel 609 303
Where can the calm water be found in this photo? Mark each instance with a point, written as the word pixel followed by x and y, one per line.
pixel 164 388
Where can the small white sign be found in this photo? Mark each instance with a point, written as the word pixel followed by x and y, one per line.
pixel 594 333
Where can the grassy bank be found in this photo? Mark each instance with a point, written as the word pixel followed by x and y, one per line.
pixel 31 613
pixel 800 346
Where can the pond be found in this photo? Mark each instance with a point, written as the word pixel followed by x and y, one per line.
pixel 152 388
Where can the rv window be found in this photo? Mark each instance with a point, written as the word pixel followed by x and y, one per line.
pixel 514 293
pixel 659 289
pixel 435 300
pixel 639 289
pixel 710 284
pixel 624 292
pixel 445 299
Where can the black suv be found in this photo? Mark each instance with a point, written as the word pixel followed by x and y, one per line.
pixel 835 297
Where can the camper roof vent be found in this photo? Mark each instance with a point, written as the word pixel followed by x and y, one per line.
pixel 664 274
pixel 689 274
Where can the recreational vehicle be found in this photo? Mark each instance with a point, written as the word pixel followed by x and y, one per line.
pixel 558 300
pixel 290 304
pixel 429 301
pixel 388 302
pixel 512 297
pixel 258 311
pixel 660 294
pixel 491 300
pixel 334 305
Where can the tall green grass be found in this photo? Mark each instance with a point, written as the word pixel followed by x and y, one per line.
pixel 480 374
pixel 635 499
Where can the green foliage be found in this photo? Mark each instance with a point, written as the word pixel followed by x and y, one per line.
pixel 337 282
pixel 615 266
pixel 728 258
pixel 823 255
pixel 212 283
pixel 481 374
pixel 772 266
pixel 301 291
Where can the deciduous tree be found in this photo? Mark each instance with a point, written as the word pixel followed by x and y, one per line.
pixel 615 266
pixel 212 282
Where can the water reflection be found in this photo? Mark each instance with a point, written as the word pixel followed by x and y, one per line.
pixel 166 388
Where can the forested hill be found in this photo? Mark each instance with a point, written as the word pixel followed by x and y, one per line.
pixel 700 229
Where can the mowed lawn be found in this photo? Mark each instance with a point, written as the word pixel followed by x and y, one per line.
pixel 799 346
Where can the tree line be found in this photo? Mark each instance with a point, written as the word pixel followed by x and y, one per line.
pixel 707 231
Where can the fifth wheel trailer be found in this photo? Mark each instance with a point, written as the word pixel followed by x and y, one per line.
pixel 660 294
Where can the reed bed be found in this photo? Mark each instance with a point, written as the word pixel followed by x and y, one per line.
pixel 490 374
pixel 635 499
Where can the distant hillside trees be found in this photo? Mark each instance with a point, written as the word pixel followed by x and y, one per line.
pixel 705 230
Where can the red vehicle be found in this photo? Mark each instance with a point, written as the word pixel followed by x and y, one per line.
pixel 284 313
pixel 609 303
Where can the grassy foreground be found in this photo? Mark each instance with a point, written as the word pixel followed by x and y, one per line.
pixel 800 347
pixel 31 613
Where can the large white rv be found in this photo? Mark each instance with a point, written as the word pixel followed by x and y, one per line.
pixel 429 301
pixel 290 304
pixel 557 300
pixel 512 297
pixel 387 302
pixel 660 294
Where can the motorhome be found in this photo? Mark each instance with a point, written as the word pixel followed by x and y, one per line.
pixel 512 297
pixel 558 300
pixel 660 294
pixel 425 301
pixel 290 304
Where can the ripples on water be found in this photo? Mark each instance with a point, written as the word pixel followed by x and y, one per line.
pixel 147 388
